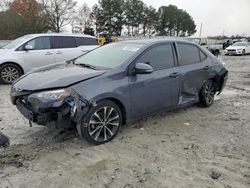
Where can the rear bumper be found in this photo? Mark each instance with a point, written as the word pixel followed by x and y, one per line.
pixel 223 82
pixel 226 52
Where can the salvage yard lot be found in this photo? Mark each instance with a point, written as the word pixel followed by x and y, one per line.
pixel 190 147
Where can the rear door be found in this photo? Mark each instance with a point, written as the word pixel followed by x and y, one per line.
pixel 42 53
pixel 65 48
pixel 159 89
pixel 195 67
pixel 86 43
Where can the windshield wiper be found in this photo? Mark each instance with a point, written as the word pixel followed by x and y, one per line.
pixel 86 65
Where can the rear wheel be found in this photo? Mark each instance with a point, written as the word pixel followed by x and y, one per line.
pixel 102 123
pixel 207 94
pixel 9 73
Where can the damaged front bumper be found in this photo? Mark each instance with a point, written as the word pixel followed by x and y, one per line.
pixel 59 114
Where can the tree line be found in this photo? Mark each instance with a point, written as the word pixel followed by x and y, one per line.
pixel 114 17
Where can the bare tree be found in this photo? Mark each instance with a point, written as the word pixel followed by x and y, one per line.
pixel 4 4
pixel 59 13
pixel 83 19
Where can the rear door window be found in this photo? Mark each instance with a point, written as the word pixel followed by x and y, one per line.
pixel 64 42
pixel 189 54
pixel 86 41
pixel 159 57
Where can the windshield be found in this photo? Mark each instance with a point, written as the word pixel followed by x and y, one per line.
pixel 15 43
pixel 240 44
pixel 109 56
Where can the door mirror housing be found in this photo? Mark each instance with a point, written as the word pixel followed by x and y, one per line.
pixel 28 47
pixel 143 68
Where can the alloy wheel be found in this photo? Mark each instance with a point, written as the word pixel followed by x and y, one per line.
pixel 209 93
pixel 104 124
pixel 9 74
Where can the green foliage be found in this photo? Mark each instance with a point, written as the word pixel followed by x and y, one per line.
pixel 14 25
pixel 109 16
pixel 174 22
pixel 134 11
pixel 89 31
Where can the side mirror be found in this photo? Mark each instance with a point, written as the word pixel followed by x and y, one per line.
pixel 143 68
pixel 28 47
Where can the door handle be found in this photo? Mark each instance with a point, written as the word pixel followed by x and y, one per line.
pixel 48 53
pixel 206 67
pixel 174 74
pixel 59 53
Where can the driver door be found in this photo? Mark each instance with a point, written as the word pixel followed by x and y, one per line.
pixel 41 53
pixel 158 90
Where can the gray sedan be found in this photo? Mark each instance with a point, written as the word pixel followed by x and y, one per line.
pixel 117 83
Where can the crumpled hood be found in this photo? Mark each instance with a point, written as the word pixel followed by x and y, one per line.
pixel 235 47
pixel 55 76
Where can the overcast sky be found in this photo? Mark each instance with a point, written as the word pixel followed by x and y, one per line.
pixel 229 16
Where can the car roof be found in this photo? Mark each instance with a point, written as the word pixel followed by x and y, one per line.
pixel 155 41
pixel 60 34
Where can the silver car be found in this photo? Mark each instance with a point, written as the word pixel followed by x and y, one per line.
pixel 35 50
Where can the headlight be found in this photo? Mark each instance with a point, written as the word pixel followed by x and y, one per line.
pixel 60 94
pixel 239 49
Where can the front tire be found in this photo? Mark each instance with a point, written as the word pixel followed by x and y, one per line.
pixel 243 52
pixel 9 73
pixel 102 123
pixel 207 94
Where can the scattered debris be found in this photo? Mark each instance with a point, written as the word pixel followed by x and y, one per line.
pixel 187 124
pixel 191 146
pixel 142 179
pixel 128 186
pixel 76 154
pixel 215 175
pixel 4 140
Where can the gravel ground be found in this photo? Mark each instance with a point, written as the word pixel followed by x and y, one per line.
pixel 190 147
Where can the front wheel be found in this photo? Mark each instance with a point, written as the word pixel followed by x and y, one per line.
pixel 102 123
pixel 9 73
pixel 243 52
pixel 207 94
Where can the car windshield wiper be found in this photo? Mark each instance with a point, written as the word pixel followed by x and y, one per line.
pixel 86 65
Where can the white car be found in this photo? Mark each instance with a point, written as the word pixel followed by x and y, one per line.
pixel 238 48
pixel 35 50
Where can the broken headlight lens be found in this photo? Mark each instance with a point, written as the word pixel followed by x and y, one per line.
pixel 59 94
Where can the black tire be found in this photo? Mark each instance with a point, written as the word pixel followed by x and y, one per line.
pixel 95 132
pixel 9 73
pixel 207 94
pixel 243 52
pixel 216 53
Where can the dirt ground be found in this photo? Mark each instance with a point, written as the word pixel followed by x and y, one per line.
pixel 190 147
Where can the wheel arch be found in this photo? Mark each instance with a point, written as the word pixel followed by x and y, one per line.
pixel 11 62
pixel 120 105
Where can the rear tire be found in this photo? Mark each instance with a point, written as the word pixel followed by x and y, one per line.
pixel 102 123
pixel 207 94
pixel 9 73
